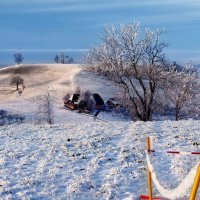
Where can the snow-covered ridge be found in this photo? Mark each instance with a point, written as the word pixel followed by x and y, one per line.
pixel 93 160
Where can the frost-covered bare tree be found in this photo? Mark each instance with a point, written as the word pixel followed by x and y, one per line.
pixel 135 62
pixel 45 106
pixel 182 91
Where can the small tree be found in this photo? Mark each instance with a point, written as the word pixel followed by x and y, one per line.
pixel 16 81
pixel 63 59
pixel 182 90
pixel 57 59
pixel 69 59
pixel 45 106
pixel 18 58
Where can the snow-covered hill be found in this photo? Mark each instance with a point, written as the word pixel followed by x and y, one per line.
pixel 92 160
pixel 62 78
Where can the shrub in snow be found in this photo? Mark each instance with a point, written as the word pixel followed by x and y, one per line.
pixel 45 106
pixel 3 114
pixel 19 118
pixel 10 118
pixel 182 91
pixel 2 123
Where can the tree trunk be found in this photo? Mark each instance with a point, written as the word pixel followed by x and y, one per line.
pixel 149 106
pixel 177 112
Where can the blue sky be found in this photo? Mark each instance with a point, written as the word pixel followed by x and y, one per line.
pixel 74 24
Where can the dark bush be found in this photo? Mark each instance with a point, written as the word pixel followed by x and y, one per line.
pixel 19 118
pixel 3 114
pixel 8 118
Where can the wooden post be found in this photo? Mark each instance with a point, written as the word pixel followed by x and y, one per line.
pixel 148 148
pixel 195 184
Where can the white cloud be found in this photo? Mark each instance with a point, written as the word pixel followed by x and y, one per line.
pixel 34 6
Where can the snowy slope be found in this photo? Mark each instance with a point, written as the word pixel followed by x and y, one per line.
pixel 62 78
pixel 78 158
pixel 92 160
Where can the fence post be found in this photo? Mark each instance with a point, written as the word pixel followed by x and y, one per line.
pixel 195 184
pixel 148 148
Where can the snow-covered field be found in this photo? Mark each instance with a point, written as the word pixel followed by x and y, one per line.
pixel 92 160
pixel 78 158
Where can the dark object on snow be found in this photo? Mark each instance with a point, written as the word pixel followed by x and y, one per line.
pixel 82 106
pixel 112 103
pixel 72 102
pixel 99 102
pixel 74 97
pixel 3 114
pixel 100 105
pixel 96 114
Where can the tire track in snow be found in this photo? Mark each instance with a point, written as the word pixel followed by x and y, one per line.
pixel 95 147
pixel 133 158
pixel 102 142
pixel 111 172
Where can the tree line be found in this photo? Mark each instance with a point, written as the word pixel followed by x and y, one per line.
pixel 62 58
